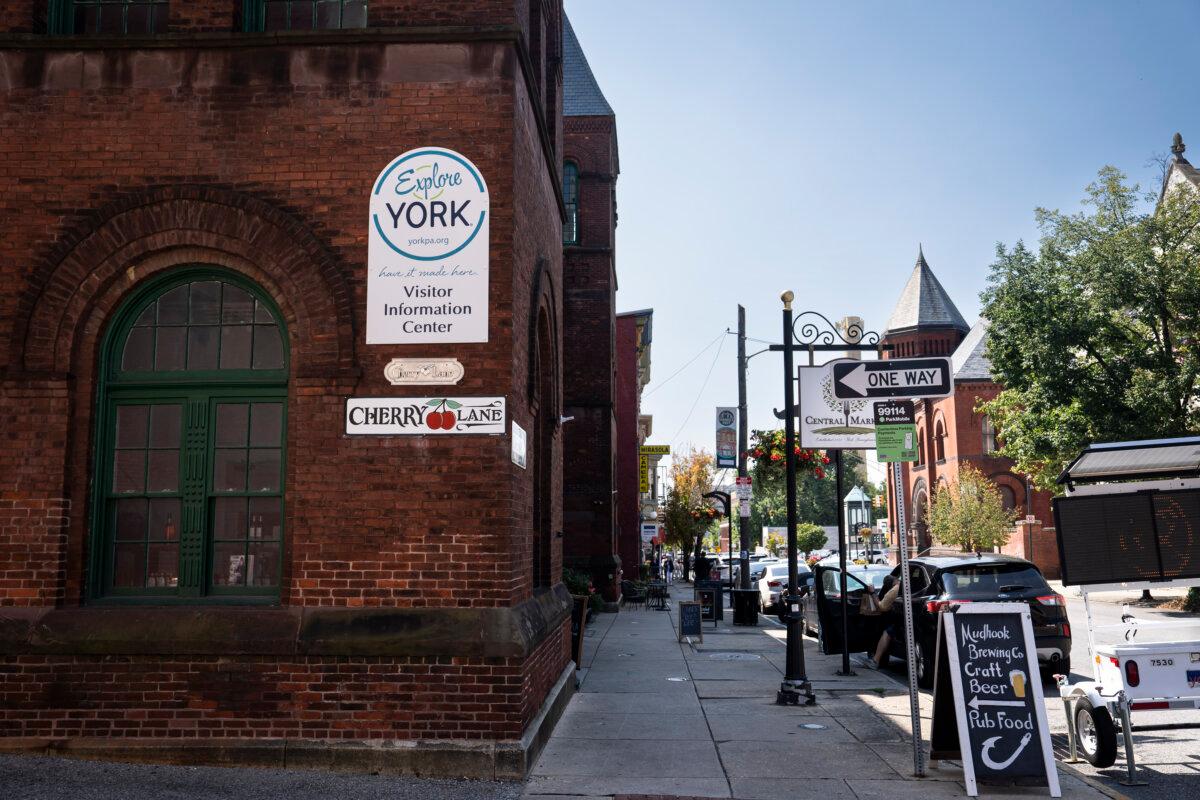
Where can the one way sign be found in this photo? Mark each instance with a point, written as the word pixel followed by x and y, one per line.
pixel 906 377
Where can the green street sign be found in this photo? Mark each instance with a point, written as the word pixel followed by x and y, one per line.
pixel 895 431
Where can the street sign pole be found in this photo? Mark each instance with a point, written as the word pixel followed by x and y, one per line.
pixel 910 657
pixel 895 429
pixel 843 545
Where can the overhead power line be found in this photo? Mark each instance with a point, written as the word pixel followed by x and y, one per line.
pixel 688 363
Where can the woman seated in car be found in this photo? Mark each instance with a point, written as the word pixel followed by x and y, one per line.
pixel 885 640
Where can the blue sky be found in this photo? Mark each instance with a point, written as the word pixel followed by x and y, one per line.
pixel 792 145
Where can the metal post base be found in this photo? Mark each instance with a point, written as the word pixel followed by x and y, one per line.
pixel 847 674
pixel 790 693
pixel 1130 778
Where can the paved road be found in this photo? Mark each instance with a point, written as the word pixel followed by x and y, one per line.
pixel 1169 759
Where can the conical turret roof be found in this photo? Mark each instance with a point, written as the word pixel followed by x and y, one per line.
pixel 924 303
pixel 581 94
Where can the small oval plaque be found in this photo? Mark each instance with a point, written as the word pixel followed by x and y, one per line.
pixel 423 371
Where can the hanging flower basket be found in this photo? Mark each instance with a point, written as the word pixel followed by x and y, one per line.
pixel 768 452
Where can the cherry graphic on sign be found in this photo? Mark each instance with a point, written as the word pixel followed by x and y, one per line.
pixel 442 416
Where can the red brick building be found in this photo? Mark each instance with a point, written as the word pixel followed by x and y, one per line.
pixel 590 169
pixel 950 431
pixel 634 337
pixel 197 560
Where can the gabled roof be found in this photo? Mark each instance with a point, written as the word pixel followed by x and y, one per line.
pixel 924 303
pixel 581 94
pixel 969 361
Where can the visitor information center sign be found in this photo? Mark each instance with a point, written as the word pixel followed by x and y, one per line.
pixel 427 251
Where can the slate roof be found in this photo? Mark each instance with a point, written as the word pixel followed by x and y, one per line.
pixel 924 303
pixel 581 94
pixel 969 362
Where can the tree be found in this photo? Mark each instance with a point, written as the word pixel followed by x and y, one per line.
pixel 969 513
pixel 686 514
pixel 809 537
pixel 1093 336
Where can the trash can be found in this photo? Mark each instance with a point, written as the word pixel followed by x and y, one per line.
pixel 745 606
pixel 720 590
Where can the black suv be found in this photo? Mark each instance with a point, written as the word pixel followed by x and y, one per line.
pixel 942 581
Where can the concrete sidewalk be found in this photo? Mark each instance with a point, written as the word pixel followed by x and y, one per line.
pixel 657 717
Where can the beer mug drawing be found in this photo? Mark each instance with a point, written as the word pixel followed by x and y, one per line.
pixel 1017 679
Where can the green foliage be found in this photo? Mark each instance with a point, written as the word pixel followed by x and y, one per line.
pixel 970 514
pixel 1095 335
pixel 816 488
pixel 775 543
pixel 580 584
pixel 809 536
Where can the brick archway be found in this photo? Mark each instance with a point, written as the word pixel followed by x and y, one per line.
pixel 92 267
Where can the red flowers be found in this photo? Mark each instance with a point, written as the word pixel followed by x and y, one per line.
pixel 824 459
pixel 820 473
pixel 776 457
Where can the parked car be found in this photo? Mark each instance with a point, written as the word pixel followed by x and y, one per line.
pixel 939 582
pixel 774 580
pixel 758 567
pixel 822 604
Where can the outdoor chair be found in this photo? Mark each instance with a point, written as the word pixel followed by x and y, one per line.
pixel 632 594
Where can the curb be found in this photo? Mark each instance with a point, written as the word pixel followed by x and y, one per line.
pixel 1107 791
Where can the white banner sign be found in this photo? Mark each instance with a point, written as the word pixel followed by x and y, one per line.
pixel 406 416
pixel 649 531
pixel 727 419
pixel 827 422
pixel 427 251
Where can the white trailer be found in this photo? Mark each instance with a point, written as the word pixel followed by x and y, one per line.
pixel 1150 536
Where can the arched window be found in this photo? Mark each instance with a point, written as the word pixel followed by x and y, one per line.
pixel 1008 498
pixel 190 432
pixel 939 441
pixel 989 434
pixel 920 446
pixel 570 191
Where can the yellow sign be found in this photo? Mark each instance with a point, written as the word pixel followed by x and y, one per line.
pixel 655 450
pixel 644 473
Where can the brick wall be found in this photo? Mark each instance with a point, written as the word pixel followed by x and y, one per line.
pixel 119 164
pixel 589 356
pixel 628 514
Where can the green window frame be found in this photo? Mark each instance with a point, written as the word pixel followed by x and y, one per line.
pixel 570 192
pixel 191 422
pixel 107 17
pixel 303 15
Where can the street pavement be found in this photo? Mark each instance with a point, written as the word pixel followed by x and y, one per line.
pixel 656 717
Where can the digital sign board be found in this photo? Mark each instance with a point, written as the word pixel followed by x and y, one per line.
pixel 1121 538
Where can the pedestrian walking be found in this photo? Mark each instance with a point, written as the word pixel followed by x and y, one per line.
pixel 669 568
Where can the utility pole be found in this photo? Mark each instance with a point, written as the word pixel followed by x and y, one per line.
pixel 743 522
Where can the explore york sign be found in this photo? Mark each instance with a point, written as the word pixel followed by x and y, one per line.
pixel 907 377
pixel 427 251
pixel 400 416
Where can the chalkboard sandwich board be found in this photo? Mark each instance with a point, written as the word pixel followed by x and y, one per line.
pixel 708 599
pixel 988 708
pixel 689 620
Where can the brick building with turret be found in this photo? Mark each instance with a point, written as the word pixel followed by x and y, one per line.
pixel 951 431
